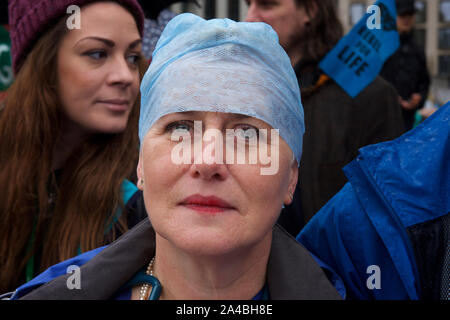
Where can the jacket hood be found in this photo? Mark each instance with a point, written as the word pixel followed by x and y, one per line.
pixel 412 173
pixel 402 183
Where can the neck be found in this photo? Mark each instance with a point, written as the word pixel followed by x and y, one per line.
pixel 237 275
pixel 294 51
pixel 295 57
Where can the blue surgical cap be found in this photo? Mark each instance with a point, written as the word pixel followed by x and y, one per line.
pixel 220 65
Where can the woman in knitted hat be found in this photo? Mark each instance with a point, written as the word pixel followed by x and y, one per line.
pixel 221 128
pixel 68 131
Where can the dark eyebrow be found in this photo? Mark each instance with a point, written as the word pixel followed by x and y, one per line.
pixel 110 43
pixel 237 116
pixel 135 43
pixel 186 113
pixel 233 116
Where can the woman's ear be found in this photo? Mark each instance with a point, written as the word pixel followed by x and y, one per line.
pixel 140 173
pixel 293 178
pixel 312 10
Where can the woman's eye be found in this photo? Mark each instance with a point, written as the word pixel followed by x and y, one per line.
pixel 96 55
pixel 246 132
pixel 134 58
pixel 180 127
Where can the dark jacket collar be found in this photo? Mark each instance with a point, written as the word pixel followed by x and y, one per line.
pixel 309 78
pixel 292 272
pixel 307 73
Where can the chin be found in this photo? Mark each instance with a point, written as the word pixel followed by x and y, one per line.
pixel 113 128
pixel 209 250
pixel 208 244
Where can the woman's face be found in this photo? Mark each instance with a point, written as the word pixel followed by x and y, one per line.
pixel 98 75
pixel 212 205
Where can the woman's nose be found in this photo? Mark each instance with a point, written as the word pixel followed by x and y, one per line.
pixel 121 73
pixel 208 163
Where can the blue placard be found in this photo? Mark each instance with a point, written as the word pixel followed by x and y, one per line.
pixel 358 57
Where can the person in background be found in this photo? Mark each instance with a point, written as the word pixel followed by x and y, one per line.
pixel 387 232
pixel 211 232
pixel 68 132
pixel 336 124
pixel 157 17
pixel 406 69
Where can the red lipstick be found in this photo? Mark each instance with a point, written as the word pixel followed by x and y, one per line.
pixel 206 204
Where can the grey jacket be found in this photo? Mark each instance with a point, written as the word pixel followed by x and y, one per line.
pixel 292 273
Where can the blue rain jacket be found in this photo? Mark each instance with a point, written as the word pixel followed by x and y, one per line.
pixel 393 186
pixel 54 272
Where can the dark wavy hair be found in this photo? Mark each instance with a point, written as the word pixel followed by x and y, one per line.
pixel 324 30
pixel 89 192
pixel 152 8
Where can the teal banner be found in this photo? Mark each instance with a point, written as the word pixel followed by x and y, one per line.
pixel 6 73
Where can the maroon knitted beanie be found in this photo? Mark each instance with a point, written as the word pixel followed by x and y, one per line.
pixel 29 19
